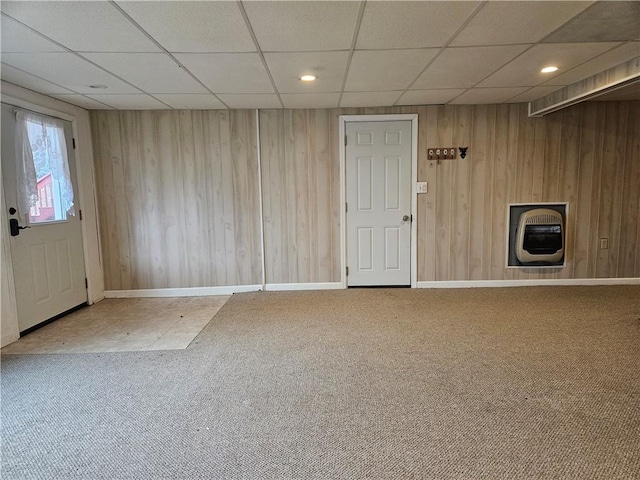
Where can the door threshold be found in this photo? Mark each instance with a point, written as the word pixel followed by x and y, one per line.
pixel 52 319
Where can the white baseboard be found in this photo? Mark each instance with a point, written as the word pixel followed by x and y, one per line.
pixel 181 292
pixel 279 287
pixel 529 283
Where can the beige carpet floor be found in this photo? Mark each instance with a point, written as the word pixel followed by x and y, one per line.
pixel 511 383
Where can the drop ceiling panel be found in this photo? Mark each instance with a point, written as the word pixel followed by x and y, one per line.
pixel 501 23
pixel 234 100
pixel 487 95
pixel 369 99
pixel 328 67
pixel 411 24
pixel 379 70
pixel 303 26
pixel 310 100
pixel 464 67
pixel 604 21
pixel 524 71
pixel 81 26
pixel 603 62
pixel 26 80
pixel 429 97
pixel 534 93
pixel 82 101
pixel 191 101
pixel 67 70
pixel 193 26
pixel 151 72
pixel 229 72
pixel 130 102
pixel 18 38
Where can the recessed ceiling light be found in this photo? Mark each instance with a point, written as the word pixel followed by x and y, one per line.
pixel 549 69
pixel 308 78
pixel 98 86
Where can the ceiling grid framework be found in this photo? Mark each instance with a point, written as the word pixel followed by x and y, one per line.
pixel 250 54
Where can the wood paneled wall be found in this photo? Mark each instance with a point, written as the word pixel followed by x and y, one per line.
pixel 301 193
pixel 178 197
pixel 586 155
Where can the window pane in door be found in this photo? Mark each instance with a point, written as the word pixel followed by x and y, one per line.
pixel 47 161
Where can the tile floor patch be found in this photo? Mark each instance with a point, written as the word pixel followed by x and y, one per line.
pixel 123 325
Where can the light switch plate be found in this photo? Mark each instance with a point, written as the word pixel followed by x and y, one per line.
pixel 423 187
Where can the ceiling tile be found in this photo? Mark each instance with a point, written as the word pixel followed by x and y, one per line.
pixel 26 80
pixel 328 67
pixel 81 26
pixel 500 23
pixel 487 95
pixel 151 72
pixel 67 70
pixel 369 99
pixel 82 101
pixel 229 72
pixel 18 38
pixel 411 24
pixel 130 102
pixel 191 101
pixel 524 71
pixel 303 26
pixel 386 69
pixel 193 26
pixel 466 66
pixel 533 94
pixel 310 100
pixel 429 97
pixel 604 21
pixel 605 61
pixel 247 100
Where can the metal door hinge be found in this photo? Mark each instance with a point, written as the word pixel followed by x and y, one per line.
pixel 73 142
pixel 346 207
pixel 86 282
pixel 345 140
pixel 347 271
pixel 80 214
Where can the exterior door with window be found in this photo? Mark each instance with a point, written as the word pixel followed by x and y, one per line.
pixel 378 176
pixel 47 257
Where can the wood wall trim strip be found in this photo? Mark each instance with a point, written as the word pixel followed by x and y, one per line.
pixel 593 86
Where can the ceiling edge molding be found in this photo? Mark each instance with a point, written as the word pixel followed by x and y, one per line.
pixel 606 81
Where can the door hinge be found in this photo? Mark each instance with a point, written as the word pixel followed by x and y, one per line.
pixel 86 282
pixel 80 214
pixel 347 271
pixel 346 207
pixel 73 142
pixel 345 140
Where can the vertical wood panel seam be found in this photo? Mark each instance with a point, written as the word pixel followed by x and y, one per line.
pixel 261 206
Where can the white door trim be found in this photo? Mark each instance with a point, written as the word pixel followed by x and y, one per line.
pixel 413 117
pixel 34 107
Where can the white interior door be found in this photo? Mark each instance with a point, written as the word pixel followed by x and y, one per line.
pixel 47 258
pixel 378 186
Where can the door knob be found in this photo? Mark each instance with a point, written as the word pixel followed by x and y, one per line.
pixel 14 227
pixel 406 218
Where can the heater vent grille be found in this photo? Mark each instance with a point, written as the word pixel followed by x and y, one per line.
pixel 544 220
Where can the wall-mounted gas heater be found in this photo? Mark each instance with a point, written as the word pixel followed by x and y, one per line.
pixel 540 237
